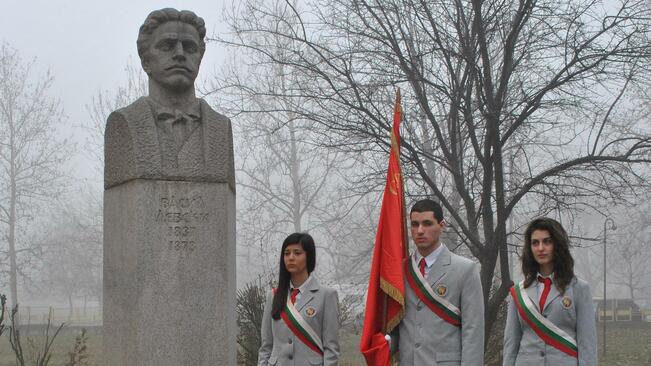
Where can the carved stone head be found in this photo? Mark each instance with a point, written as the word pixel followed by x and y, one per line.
pixel 171 46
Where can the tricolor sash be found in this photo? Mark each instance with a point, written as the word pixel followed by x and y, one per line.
pixel 544 328
pixel 301 328
pixel 440 306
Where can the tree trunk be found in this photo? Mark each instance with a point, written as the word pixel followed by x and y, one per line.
pixel 70 306
pixel 295 176
pixel 13 267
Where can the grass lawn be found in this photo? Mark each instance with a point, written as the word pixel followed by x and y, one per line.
pixel 629 344
pixel 63 344
pixel 349 348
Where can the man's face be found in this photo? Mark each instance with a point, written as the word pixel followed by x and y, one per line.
pixel 174 56
pixel 426 231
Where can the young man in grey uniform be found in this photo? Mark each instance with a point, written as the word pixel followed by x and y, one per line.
pixel 444 311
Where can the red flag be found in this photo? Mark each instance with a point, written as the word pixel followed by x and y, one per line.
pixel 386 290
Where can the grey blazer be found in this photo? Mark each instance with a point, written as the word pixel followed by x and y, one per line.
pixel 281 347
pixel 522 346
pixel 424 339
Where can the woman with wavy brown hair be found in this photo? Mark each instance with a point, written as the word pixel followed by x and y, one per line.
pixel 551 318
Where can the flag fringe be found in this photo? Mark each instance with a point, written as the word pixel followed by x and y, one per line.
pixel 392 291
pixel 397 296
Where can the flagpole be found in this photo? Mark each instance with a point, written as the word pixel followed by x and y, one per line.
pixel 397 102
pixel 402 189
pixel 385 311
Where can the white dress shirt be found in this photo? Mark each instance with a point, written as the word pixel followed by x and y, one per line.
pixel 541 286
pixel 301 289
pixel 430 259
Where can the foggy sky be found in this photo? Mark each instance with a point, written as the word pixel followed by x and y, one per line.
pixel 86 46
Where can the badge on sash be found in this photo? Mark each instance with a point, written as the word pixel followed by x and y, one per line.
pixel 566 302
pixel 310 311
pixel 441 290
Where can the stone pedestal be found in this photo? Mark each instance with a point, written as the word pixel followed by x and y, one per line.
pixel 169 274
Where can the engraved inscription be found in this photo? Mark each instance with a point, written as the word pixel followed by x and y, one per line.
pixel 180 218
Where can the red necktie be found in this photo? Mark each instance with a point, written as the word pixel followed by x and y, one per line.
pixel 421 266
pixel 548 286
pixel 293 295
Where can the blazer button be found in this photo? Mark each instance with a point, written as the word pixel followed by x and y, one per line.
pixel 417 345
pixel 419 306
pixel 542 354
pixel 290 341
pixel 291 356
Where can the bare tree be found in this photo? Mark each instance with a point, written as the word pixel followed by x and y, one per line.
pixel 72 249
pixel 287 180
pixel 631 252
pixel 31 155
pixel 530 93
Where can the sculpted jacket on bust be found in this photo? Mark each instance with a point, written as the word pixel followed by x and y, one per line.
pixel 138 145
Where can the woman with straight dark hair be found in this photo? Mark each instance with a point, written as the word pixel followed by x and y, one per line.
pixel 300 324
pixel 551 319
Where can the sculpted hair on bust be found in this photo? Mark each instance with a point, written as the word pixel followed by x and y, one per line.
pixel 563 261
pixel 158 17
pixel 280 296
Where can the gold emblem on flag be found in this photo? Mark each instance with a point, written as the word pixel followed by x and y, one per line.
pixel 394 183
pixel 310 311
pixel 441 290
pixel 566 302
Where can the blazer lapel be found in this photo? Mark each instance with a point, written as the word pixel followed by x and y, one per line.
pixel 306 297
pixel 533 295
pixel 440 266
pixel 553 295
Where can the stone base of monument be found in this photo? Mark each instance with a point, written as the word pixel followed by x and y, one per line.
pixel 169 267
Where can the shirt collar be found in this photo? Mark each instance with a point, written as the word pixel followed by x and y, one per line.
pixel 550 276
pixel 302 288
pixel 432 257
pixel 193 110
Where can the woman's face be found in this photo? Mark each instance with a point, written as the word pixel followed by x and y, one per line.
pixel 542 247
pixel 295 259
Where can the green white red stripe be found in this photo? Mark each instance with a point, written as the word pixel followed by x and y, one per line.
pixel 543 327
pixel 301 328
pixel 440 306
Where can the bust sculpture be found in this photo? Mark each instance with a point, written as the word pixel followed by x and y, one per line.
pixel 169 285
pixel 169 134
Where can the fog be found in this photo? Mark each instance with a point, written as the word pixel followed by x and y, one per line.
pixel 311 117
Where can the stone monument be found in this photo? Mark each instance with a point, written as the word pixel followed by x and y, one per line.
pixel 169 212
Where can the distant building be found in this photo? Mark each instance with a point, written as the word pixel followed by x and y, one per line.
pixel 619 310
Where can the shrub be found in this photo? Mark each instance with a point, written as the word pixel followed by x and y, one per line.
pixel 250 308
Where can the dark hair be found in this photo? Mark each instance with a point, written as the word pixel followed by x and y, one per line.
pixel 280 296
pixel 562 259
pixel 428 205
pixel 158 17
